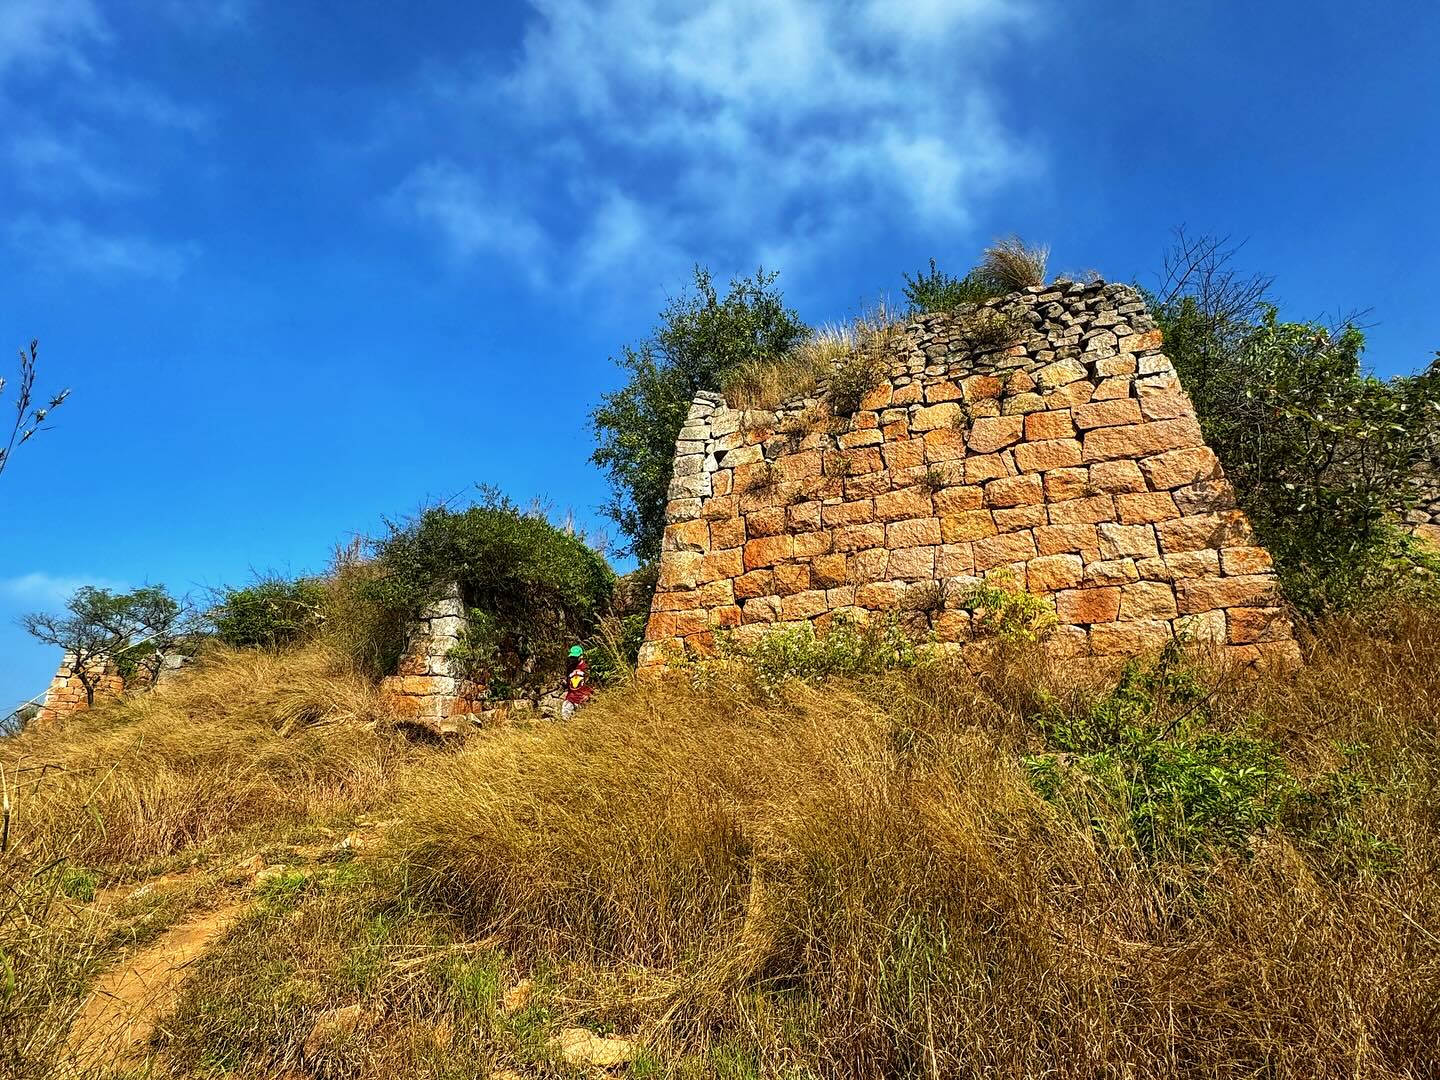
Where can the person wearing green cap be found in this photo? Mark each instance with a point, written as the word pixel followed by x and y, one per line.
pixel 577 682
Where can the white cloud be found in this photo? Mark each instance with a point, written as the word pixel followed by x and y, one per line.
pixel 41 590
pixel 37 34
pixel 47 246
pixel 727 130
pixel 467 215
pixel 53 166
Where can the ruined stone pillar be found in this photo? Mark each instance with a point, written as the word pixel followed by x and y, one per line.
pixel 427 688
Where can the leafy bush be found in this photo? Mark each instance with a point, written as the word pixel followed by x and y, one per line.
pixel 855 377
pixel 986 329
pixel 1319 452
pixel 271 613
pixel 701 341
pixel 368 633
pixel 939 291
pixel 844 648
pixel 540 588
pixel 1001 609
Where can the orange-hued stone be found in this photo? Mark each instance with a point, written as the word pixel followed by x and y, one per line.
pixel 1085 511
pixel 768 550
pixel 1238 561
pixel 1206 594
pixel 903 455
pixel 1138 440
pixel 829 571
pixel 1057 539
pixel 1107 413
pixel 688 536
pixel 1042 426
pixel 769 521
pixel 996 551
pixel 1117 477
pixel 1245 626
pixel 1062 485
pixel 791 578
pixel 947 444
pixel 1130 638
pixel 728 533
pixel 913 532
pixel 1179 468
pixel 967 525
pixel 991 433
pixel 1148 507
pixel 720 565
pixel 952 500
pixel 954 560
pixel 1135 343
pixel 857 537
pixel 808 545
pixel 1050 573
pixel 1014 491
pixel 1088 605
pixel 848 513
pixel 944 390
pixel 988 467
pixel 879 397
pixel 1228 528
pixel 1147 600
pixel 1014 518
pixel 1051 454
pixel 908 502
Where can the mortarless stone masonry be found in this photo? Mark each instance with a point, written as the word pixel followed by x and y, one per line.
pixel 1073 459
pixel 66 695
pixel 426 687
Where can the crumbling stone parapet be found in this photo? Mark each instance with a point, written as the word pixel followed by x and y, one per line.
pixel 1070 459
pixel 427 686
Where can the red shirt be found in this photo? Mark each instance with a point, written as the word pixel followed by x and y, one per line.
pixel 577 684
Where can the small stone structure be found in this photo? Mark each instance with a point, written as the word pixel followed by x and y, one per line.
pixel 1424 518
pixel 66 695
pixel 427 687
pixel 1071 458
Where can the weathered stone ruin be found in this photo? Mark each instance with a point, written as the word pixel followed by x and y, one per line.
pixel 66 695
pixel 1070 457
pixel 427 686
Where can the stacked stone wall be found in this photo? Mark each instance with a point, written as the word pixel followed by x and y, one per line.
pixel 67 696
pixel 1071 459
pixel 1424 517
pixel 427 687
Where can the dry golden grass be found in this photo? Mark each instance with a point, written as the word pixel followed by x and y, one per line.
pixel 864 881
pixel 1010 264
pixel 245 739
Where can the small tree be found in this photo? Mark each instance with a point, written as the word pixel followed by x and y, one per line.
pixel 701 339
pixel 939 291
pixel 29 418
pixel 134 629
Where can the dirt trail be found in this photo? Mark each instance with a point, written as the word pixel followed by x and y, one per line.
pixel 122 1009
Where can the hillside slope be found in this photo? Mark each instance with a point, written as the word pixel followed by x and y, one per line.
pixel 950 870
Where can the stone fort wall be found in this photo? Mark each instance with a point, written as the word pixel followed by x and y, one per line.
pixel 1071 458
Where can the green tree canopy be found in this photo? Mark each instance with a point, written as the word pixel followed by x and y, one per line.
pixel 701 338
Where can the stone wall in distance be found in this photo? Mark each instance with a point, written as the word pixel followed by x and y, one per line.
pixel 1072 459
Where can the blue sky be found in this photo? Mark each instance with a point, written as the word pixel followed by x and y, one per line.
pixel 306 265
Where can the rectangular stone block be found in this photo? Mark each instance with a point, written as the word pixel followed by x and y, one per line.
pixel 903 455
pixel 912 564
pixel 720 564
pixel 1177 468
pixel 915 532
pixel 1135 638
pixel 687 536
pixel 908 502
pixel 996 551
pixel 1086 606
pixel 1045 426
pixel 768 550
pixel 679 570
pixel 989 434
pixel 1206 594
pixel 769 521
pixel 1112 572
pixel 1107 413
pixel 930 417
pixel 729 533
pixel 967 525
pixel 946 444
pixel 872 564
pixel 848 513
pixel 1050 454
pixel 954 560
pixel 952 500
pixel 1141 440
pixel 803 517
pixel 1204 497
pixel 877 595
pixel 829 571
pixel 1110 389
pixel 988 467
pixel 808 545
pixel 1147 600
pixel 1061 485
pixel 1015 518
pixel 1059 539
pixel 1014 491
pixel 1117 477
pixel 858 537
pixel 803 605
pixel 1228 528
pixel 1051 573
pixel 1148 507
pixel 1087 511
pixel 1240 561
pixel 1245 626
pixel 1126 541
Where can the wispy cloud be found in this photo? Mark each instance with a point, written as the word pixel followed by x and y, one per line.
pixel 42 590
pixel 65 244
pixel 37 34
pixel 631 130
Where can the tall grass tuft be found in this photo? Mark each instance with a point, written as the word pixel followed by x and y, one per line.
pixel 1010 264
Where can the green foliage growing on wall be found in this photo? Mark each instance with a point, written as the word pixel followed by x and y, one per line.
pixel 702 337
pixel 271 613
pixel 539 588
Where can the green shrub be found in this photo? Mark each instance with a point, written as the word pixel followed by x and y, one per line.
pixel 539 588
pixel 986 329
pixel 271 613
pixel 939 291
pixel 844 648
pixel 853 378
pixel 1001 609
